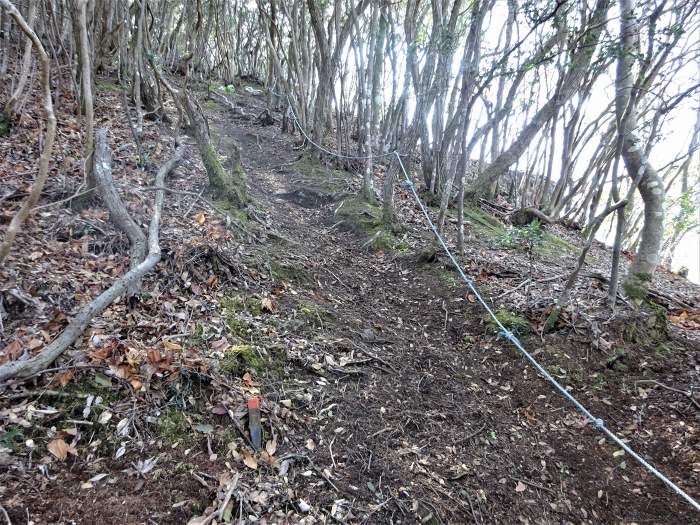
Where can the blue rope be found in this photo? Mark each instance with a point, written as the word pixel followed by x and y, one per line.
pixel 598 422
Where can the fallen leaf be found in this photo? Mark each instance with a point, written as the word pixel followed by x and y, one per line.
pixel 271 446
pixel 12 350
pixel 59 449
pixel 250 460
pixel 267 304
pixel 65 377
pixel 123 427
pixel 170 345
pixel 221 345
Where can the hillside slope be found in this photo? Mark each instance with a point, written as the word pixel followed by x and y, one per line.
pixel 387 396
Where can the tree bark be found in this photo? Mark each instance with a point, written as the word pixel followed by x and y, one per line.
pixel 45 79
pixel 118 213
pixel 578 68
pixel 9 109
pixel 651 186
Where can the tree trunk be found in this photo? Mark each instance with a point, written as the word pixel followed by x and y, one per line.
pixel 580 62
pixel 651 186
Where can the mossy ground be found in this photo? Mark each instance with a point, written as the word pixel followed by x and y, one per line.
pixel 315 313
pixel 515 323
pixel 238 304
pixel 491 231
pixel 240 359
pixel 289 271
pixel 332 178
pixel 5 125
pixel 365 218
pixel 105 85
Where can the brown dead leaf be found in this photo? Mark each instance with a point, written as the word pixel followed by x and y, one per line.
pixel 153 355
pixel 250 460
pixel 59 449
pixel 221 345
pixel 65 377
pixel 12 350
pixel 268 305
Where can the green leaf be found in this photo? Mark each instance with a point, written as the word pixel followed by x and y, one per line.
pixel 103 380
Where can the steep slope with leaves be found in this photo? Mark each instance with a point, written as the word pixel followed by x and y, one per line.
pixel 386 394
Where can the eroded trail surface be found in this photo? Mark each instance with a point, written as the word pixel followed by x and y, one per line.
pixel 410 410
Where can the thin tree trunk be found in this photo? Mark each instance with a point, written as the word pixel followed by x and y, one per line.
pixel 45 79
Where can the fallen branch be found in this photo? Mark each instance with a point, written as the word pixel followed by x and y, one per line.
pixel 80 322
pixel 686 393
pixel 34 194
pixel 118 213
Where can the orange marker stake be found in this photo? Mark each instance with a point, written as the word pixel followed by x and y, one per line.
pixel 254 422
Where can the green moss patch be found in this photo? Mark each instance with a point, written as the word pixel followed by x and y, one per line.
pixel 289 271
pixel 495 233
pixel 448 278
pixel 174 427
pixel 515 323
pixel 105 85
pixel 239 359
pixel 365 219
pixel 315 312
pixel 238 304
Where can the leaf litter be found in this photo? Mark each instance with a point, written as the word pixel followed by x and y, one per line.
pixel 383 393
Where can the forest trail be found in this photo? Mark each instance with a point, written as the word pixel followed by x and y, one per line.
pixel 412 409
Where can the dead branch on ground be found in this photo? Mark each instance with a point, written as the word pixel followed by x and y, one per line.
pixel 118 213
pixel 80 322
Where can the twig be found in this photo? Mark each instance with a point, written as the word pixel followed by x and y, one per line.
pixel 377 358
pixel 231 489
pixel 474 434
pixel 240 429
pixel 513 289
pixel 532 484
pixel 199 196
pixel 686 393
pixel 4 513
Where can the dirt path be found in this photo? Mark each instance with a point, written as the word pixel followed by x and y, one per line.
pixel 410 407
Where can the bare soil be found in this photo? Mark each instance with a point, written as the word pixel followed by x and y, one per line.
pixel 395 401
